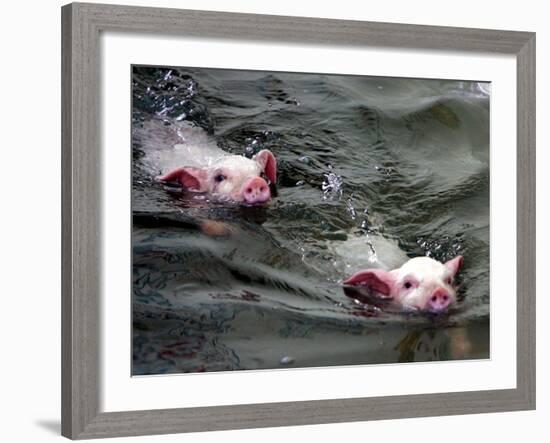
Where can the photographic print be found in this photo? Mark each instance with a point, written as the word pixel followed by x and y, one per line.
pixel 291 220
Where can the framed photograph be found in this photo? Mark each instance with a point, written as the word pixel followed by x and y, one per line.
pixel 274 221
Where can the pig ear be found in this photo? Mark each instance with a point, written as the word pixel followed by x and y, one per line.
pixel 455 264
pixel 268 163
pixel 193 179
pixel 376 280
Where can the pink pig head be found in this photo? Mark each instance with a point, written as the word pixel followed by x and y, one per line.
pixel 421 284
pixel 231 177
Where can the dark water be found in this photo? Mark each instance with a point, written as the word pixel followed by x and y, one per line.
pixel 357 156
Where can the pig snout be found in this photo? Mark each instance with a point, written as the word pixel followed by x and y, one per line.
pixel 439 301
pixel 256 191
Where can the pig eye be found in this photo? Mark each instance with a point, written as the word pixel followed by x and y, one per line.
pixel 407 285
pixel 219 178
pixel 449 280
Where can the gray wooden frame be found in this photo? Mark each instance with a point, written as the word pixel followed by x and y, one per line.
pixel 81 165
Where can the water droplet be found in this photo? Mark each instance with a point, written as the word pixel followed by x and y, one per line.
pixel 351 209
pixel 287 360
pixel 332 186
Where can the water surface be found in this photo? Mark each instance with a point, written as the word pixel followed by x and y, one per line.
pixel 358 157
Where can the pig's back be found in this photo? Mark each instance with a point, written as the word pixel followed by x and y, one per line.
pixel 176 146
pixel 367 251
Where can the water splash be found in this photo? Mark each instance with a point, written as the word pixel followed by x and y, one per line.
pixel 332 185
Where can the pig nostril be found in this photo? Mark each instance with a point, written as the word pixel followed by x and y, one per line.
pixel 249 191
pixel 445 297
pixel 434 298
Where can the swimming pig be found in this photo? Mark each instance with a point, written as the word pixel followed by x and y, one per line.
pixel 199 165
pixel 228 177
pixel 421 284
